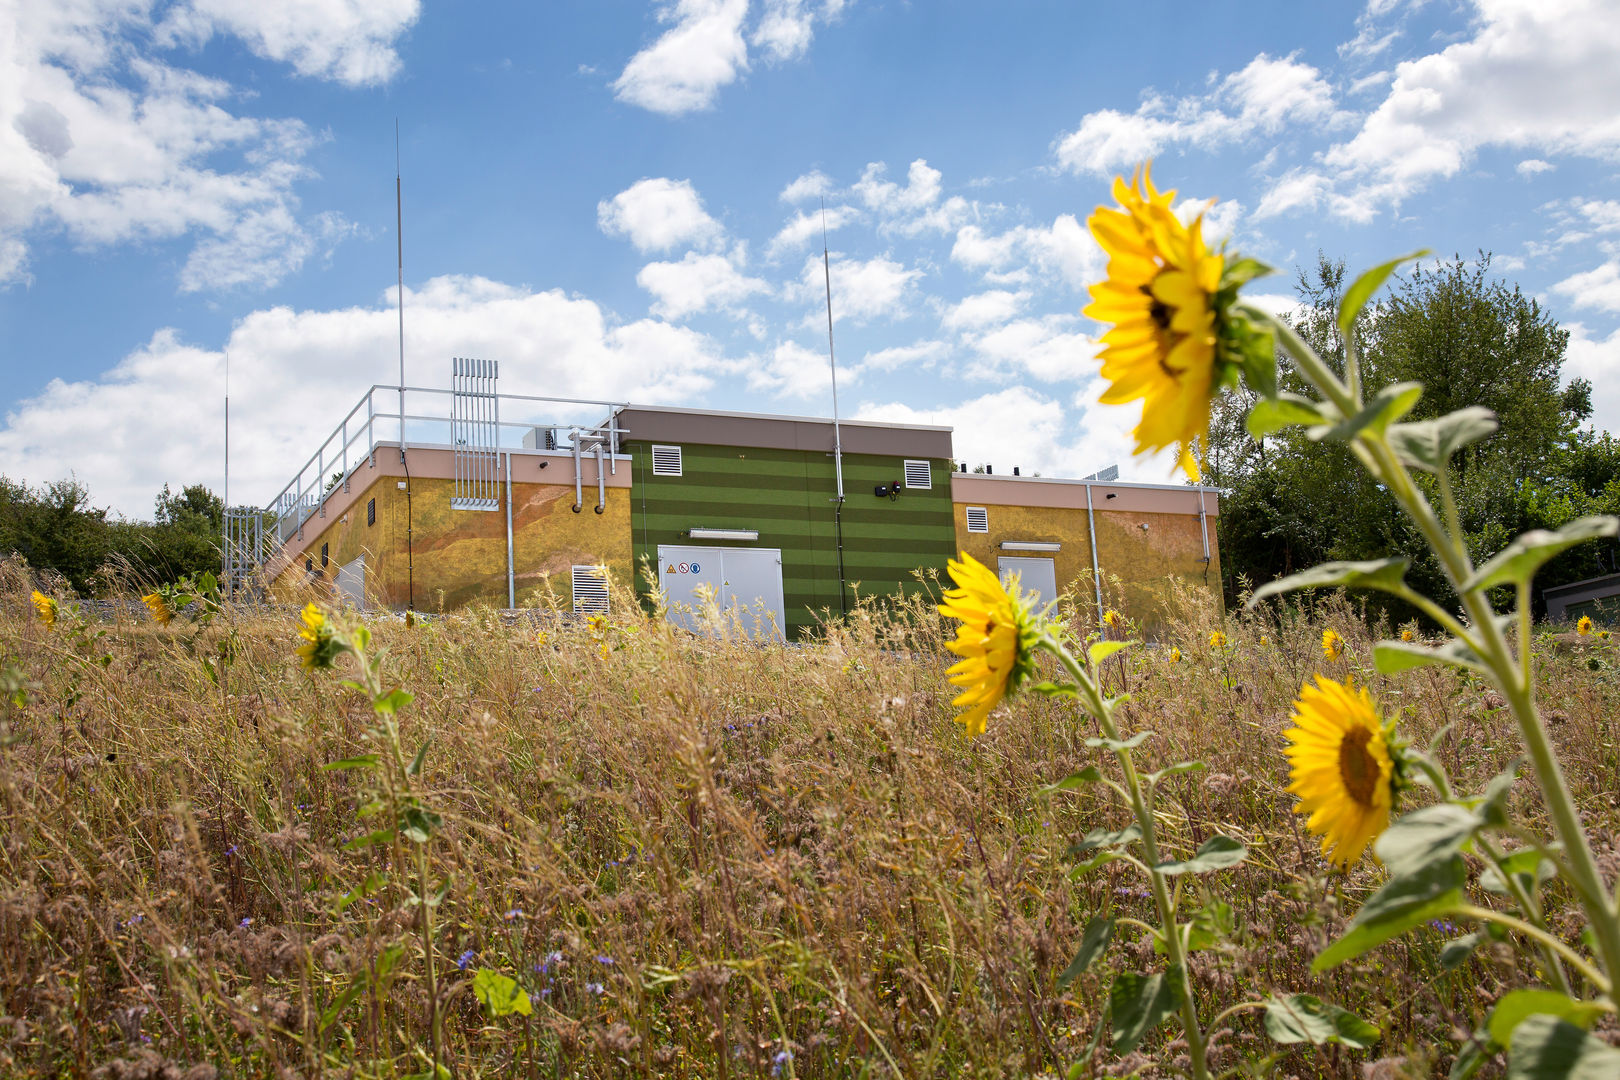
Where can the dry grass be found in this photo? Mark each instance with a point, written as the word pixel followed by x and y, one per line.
pixel 694 855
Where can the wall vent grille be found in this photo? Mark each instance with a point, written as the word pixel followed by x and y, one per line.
pixel 978 519
pixel 666 460
pixel 590 590
pixel 919 474
pixel 475 427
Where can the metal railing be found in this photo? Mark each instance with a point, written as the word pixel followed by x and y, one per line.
pixel 386 416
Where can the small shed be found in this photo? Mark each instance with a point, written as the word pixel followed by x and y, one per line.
pixel 1598 597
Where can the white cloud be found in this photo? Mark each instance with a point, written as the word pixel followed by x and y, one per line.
pixel 684 70
pixel 1603 214
pixel 350 41
pixel 1263 98
pixel 104 141
pixel 294 374
pixel 923 354
pixel 914 208
pixel 794 371
pixel 1046 347
pixel 811 185
pixel 984 309
pixel 1533 166
pixel 862 289
pixel 697 283
pixel 1596 360
pixel 1596 288
pixel 1299 189
pixel 786 27
pixel 1220 218
pixel 1537 75
pixel 1064 249
pixel 658 214
pixel 804 226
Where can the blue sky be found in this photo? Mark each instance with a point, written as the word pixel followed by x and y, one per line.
pixel 618 200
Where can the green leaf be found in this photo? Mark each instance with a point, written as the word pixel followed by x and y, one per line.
pixel 1429 444
pixel 1547 1048
pixel 1216 853
pixel 1305 1018
pixel 1104 838
pixel 1102 650
pixel 415 767
pixel 1176 770
pixel 1102 858
pixel 1520 560
pixel 1392 657
pixel 1385 574
pixel 1457 951
pixel 1074 781
pixel 1271 415
pixel 1387 406
pixel 1362 289
pixel 418 824
pixel 1120 744
pixel 1425 836
pixel 1516 1006
pixel 1402 903
pixel 393 701
pixel 1099 932
pixel 501 995
pixel 1472 1056
pixel 364 761
pixel 1527 866
pixel 381 836
pixel 373 882
pixel 387 961
pixel 1139 1003
pixel 1240 272
pixel 1052 689
pixel 344 1000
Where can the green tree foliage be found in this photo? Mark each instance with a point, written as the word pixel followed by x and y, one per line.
pixel 55 527
pixel 1471 340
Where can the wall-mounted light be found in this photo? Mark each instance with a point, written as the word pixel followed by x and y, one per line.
pixel 723 534
pixel 1030 545
pixel 1112 495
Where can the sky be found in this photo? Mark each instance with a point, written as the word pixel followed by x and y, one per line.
pixel 623 201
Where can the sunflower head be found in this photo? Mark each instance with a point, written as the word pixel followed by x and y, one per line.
pixel 1603 635
pixel 1160 301
pixel 1113 619
pixel 1407 635
pixel 1217 640
pixel 45 607
pixel 1175 655
pixel 159 607
pixel 1345 767
pixel 1332 644
pixel 996 639
pixel 1584 627
pixel 321 644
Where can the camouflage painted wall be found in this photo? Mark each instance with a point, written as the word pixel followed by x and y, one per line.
pixel 460 555
pixel 1143 561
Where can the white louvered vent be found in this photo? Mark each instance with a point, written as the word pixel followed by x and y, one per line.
pixel 590 589
pixel 919 475
pixel 978 519
pixel 666 460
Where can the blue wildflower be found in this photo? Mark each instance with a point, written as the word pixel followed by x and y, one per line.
pixel 465 960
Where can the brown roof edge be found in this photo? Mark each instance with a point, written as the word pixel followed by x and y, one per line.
pixel 714 427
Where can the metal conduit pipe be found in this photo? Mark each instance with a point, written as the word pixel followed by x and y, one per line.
pixel 601 480
pixel 511 566
pixel 1096 567
pixel 579 477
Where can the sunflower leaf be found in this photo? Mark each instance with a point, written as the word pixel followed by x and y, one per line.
pixel 1285 410
pixel 1305 1018
pixel 1362 289
pixel 1105 838
pixel 1388 405
pixel 1527 866
pixel 1102 858
pixel 1391 657
pixel 1242 271
pixel 1385 574
pixel 1547 1048
pixel 1403 903
pixel 1516 1006
pixel 1102 650
pixel 1120 744
pixel 1519 561
pixel 1429 444
pixel 1425 836
pixel 1074 781
pixel 1099 932
pixel 1139 1003
pixel 1176 770
pixel 1216 853
pixel 1457 951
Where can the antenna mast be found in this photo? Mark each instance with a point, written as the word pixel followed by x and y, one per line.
pixel 399 233
pixel 225 516
pixel 838 439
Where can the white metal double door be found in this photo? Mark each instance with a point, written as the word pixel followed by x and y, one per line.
pixel 1038 576
pixel 747 580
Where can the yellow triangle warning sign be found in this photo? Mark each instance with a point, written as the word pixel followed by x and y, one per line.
pixel 671 569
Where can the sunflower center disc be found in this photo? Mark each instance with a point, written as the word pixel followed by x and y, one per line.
pixel 1357 768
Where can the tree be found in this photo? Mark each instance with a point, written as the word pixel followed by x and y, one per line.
pixel 1470 340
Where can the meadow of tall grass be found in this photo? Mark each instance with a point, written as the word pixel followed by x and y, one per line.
pixel 692 857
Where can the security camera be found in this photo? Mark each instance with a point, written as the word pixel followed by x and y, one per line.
pixel 1144 526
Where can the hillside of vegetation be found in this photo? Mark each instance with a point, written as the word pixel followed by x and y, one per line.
pixel 686 857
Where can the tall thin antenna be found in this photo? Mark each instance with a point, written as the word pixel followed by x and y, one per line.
pixel 225 517
pixel 399 232
pixel 838 439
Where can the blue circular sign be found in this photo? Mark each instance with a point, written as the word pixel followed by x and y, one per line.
pixel 696 569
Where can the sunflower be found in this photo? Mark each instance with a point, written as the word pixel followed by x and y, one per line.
pixel 1159 299
pixel 321 644
pixel 1584 627
pixel 159 607
pixel 1113 619
pixel 1217 640
pixel 1343 767
pixel 1407 635
pixel 1175 655
pixel 46 607
pixel 996 640
pixel 1332 644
